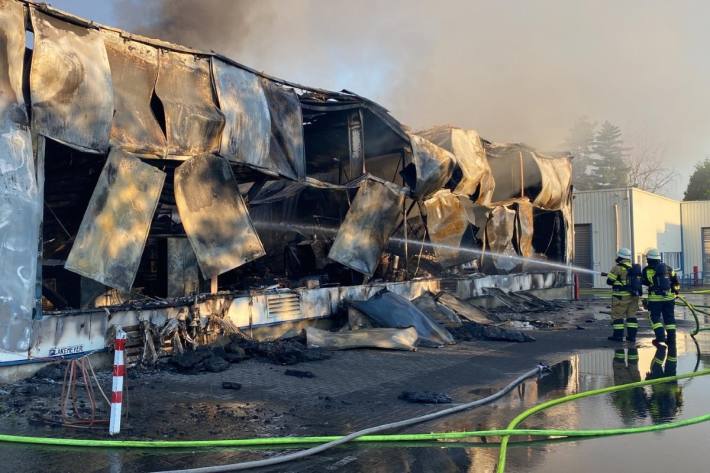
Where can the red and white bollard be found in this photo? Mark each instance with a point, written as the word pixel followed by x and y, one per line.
pixel 119 371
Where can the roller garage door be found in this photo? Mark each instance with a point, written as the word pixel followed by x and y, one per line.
pixel 583 252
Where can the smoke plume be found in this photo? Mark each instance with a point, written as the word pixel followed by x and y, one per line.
pixel 515 71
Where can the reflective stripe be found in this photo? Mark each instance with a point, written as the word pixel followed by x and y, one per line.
pixel 618 326
pixel 612 276
pixel 670 327
pixel 632 324
pixel 657 325
pixel 672 358
pixel 619 355
pixel 633 357
pixel 657 361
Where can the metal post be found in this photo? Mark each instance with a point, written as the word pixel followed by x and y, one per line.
pixel 119 371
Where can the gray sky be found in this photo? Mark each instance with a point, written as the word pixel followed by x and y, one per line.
pixel 513 70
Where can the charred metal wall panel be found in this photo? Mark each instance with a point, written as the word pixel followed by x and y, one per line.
pixel 183 271
pixel 113 232
pixel 286 149
pixel 524 228
pixel 367 227
pixel 499 234
pixel 214 215
pixel 247 129
pixel 134 70
pixel 193 123
pixel 556 182
pixel 448 220
pixel 467 149
pixel 20 217
pixel 70 84
pixel 433 165
pixel 12 51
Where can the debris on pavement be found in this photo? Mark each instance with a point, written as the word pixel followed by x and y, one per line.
pixel 299 374
pixel 425 397
pixel 387 309
pixel 385 338
pixel 231 385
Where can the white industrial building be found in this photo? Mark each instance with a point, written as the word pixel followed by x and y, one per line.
pixel 605 220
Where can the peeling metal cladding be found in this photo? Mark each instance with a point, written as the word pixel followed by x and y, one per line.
pixel 20 218
pixel 247 131
pixel 12 51
pixel 81 332
pixel 134 71
pixel 556 181
pixel 499 233
pixel 214 215
pixel 110 241
pixel 193 122
pixel 470 156
pixel 447 222
pixel 287 148
pixel 368 226
pixel 70 84
pixel 524 227
pixel 434 165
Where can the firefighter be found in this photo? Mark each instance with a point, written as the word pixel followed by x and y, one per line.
pixel 663 287
pixel 625 281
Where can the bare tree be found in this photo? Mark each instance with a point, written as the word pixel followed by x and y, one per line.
pixel 645 167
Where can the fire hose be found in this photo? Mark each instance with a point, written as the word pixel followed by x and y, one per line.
pixel 366 435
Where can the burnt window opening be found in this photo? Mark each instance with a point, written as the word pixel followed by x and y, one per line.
pixel 549 234
pixel 70 178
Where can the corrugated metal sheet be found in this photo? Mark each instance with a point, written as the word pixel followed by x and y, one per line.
pixel 597 208
pixel 214 215
pixel 134 70
pixel 113 232
pixel 367 227
pixel 12 51
pixel 696 216
pixel 247 129
pixel 193 122
pixel 70 84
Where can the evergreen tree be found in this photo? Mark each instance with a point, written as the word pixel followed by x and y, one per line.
pixel 699 183
pixel 579 142
pixel 609 168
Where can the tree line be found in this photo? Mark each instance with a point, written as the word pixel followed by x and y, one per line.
pixel 603 161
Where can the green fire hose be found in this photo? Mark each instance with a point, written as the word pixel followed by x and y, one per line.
pixel 694 310
pixel 505 434
pixel 602 432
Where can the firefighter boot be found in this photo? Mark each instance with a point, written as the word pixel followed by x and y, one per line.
pixel 618 334
pixel 632 326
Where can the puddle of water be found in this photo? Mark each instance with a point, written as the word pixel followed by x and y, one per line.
pixel 674 450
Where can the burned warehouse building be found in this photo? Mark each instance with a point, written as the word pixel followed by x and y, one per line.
pixel 150 185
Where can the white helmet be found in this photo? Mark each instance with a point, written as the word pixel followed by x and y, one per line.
pixel 653 254
pixel 624 253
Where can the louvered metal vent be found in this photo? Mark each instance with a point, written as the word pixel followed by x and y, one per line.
pixel 284 306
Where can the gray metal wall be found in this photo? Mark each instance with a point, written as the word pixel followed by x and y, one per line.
pixel 694 215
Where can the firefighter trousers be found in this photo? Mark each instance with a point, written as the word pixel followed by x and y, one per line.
pixel 663 320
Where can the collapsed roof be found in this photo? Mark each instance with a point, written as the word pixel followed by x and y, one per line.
pixel 148 141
